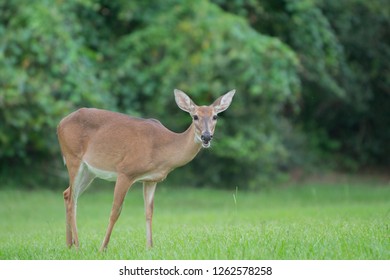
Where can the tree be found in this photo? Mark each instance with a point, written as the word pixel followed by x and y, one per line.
pixel 46 71
pixel 310 75
pixel 343 48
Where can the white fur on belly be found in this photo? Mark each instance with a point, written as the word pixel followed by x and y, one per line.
pixel 102 174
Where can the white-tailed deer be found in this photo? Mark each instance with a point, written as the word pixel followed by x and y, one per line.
pixel 117 147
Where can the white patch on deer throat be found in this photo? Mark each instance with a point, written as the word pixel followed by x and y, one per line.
pixel 197 139
pixel 102 174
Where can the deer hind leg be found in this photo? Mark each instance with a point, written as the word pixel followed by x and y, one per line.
pixel 80 181
pixel 122 185
pixel 69 213
pixel 149 189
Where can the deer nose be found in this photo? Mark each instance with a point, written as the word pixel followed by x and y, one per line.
pixel 206 137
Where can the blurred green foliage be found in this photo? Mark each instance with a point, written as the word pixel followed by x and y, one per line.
pixel 312 77
pixel 47 70
pixel 344 51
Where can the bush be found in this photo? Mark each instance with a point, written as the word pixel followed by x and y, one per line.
pixel 47 71
pixel 310 75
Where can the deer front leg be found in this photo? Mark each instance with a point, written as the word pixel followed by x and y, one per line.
pixel 121 187
pixel 149 189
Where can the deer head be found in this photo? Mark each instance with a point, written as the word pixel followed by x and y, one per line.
pixel 204 118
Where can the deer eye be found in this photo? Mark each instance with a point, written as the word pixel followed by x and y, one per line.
pixel 215 117
pixel 195 117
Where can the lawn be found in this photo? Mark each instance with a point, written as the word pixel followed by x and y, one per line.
pixel 308 221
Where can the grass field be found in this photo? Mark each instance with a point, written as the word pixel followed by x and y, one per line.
pixel 312 221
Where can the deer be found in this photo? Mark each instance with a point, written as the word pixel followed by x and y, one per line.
pixel 97 143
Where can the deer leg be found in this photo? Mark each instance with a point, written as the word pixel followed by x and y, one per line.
pixel 81 182
pixel 149 189
pixel 83 179
pixel 122 185
pixel 68 208
pixel 72 164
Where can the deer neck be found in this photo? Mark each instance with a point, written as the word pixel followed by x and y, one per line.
pixel 185 146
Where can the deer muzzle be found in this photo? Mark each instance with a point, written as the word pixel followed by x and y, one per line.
pixel 206 138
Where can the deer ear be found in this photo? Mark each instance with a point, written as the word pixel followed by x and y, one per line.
pixel 183 101
pixel 223 102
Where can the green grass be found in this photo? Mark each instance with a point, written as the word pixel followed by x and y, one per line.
pixel 313 221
